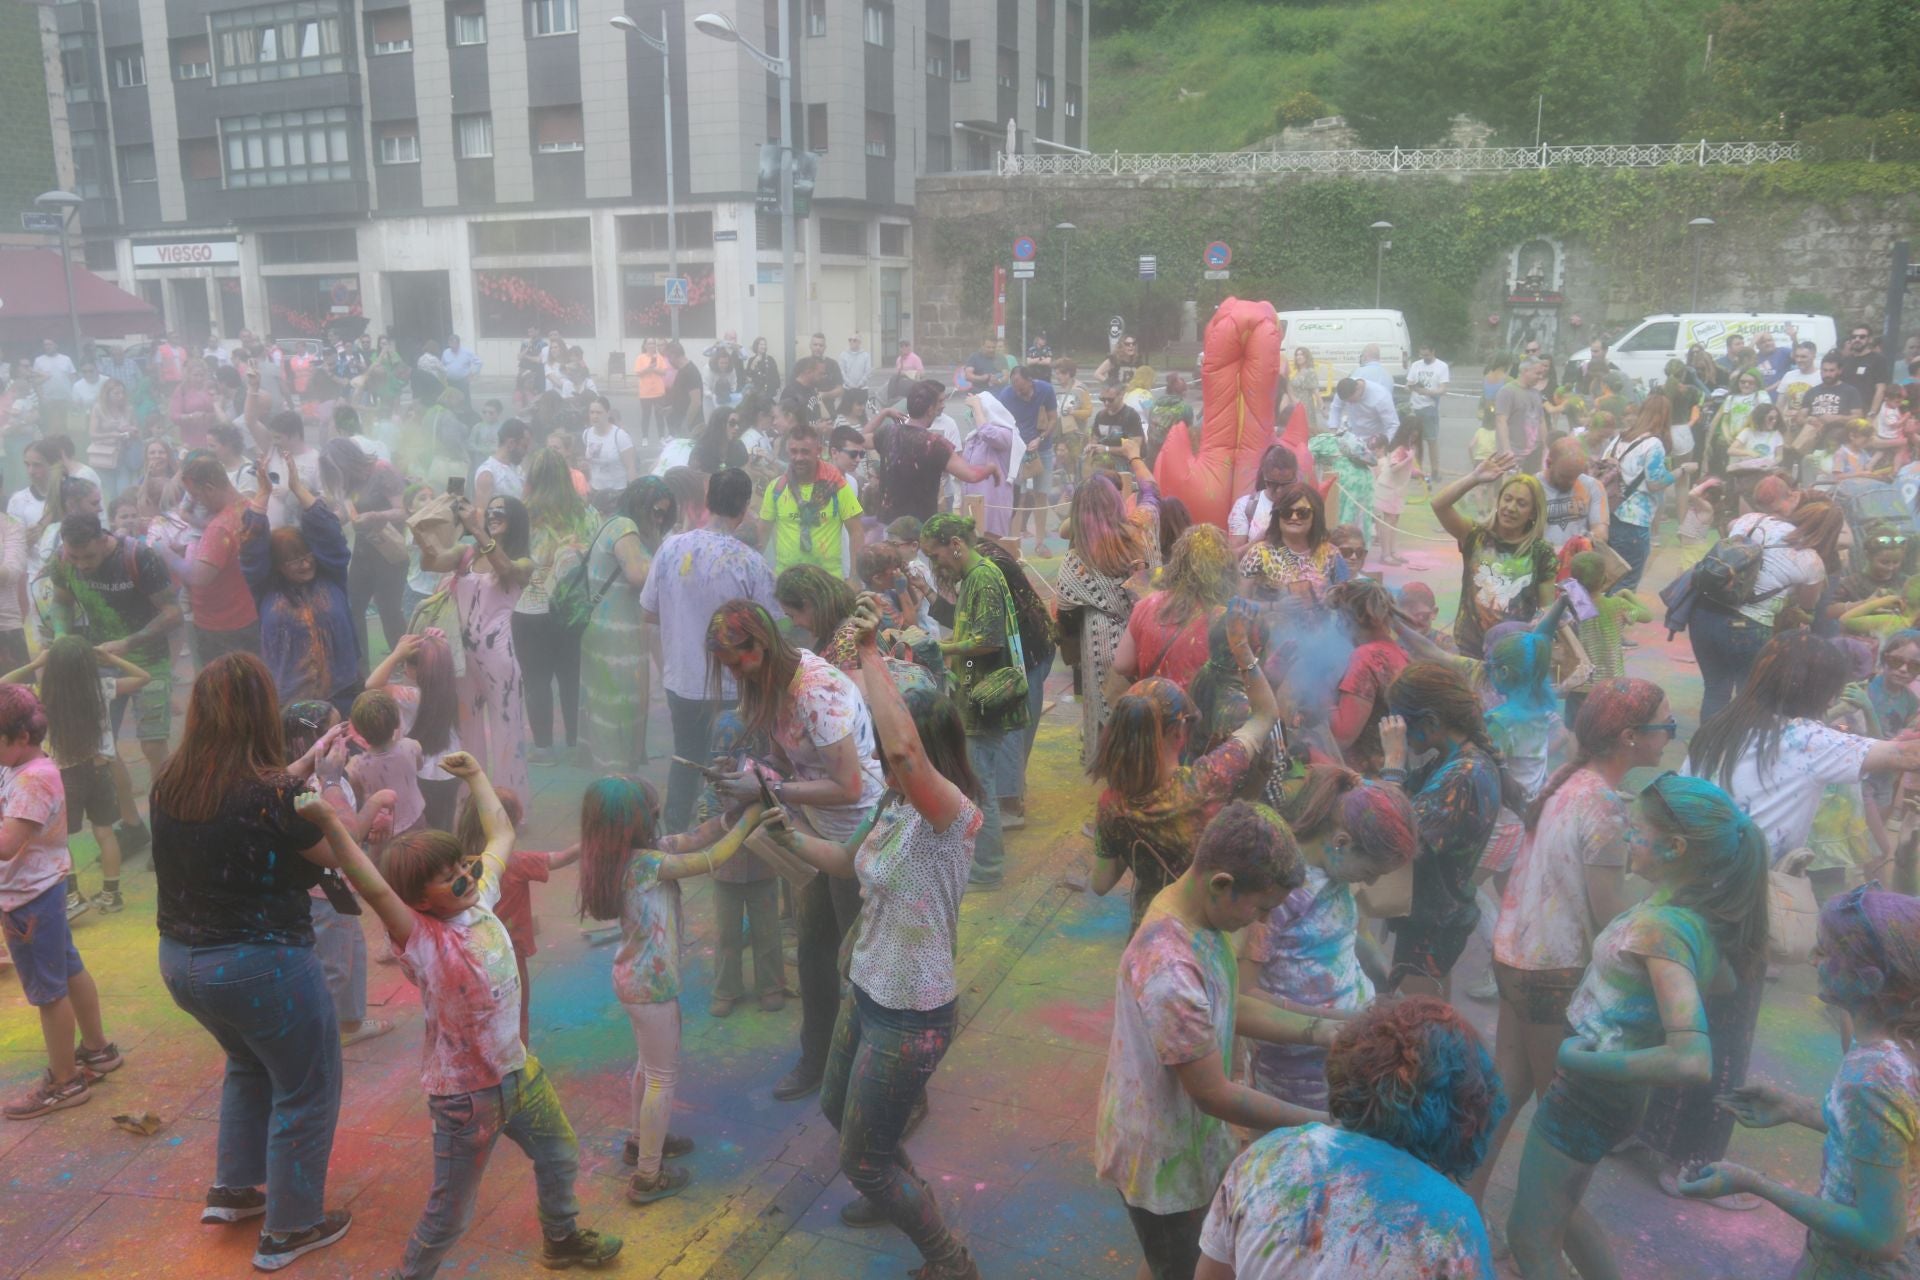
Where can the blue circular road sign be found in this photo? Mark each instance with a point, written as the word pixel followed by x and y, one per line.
pixel 1024 249
pixel 1218 255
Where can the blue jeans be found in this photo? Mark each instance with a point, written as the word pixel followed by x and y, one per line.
pixel 1634 542
pixel 1023 749
pixel 881 1061
pixel 993 754
pixel 1725 644
pixel 525 1108
pixel 269 1008
pixel 341 945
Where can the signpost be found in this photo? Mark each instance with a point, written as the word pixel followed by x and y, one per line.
pixel 1024 250
pixel 1215 259
pixel 1149 267
pixel 36 220
pixel 678 288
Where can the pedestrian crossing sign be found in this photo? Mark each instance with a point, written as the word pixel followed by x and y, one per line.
pixel 677 291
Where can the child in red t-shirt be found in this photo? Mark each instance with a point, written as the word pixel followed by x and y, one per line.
pixel 524 866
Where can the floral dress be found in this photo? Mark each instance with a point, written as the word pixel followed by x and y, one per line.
pixel 615 671
pixel 493 718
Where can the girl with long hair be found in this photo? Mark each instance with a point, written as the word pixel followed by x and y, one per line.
pixel 160 465
pixel 487 578
pixel 616 670
pixel 1367 613
pixel 719 445
pixel 298 576
pixel 1106 550
pixel 1174 520
pixel 1568 884
pixel 1639 1017
pixel 429 703
pixel 1863 1221
pixel 1304 955
pixel 1296 562
pixel 625 877
pixel 233 862
pixel 1456 799
pixel 819 605
pixel 1507 565
pixel 370 494
pixel 1166 633
pixel 1639 453
pixel 910 861
pixel 549 620
pixel 1411 1098
pixel 1153 807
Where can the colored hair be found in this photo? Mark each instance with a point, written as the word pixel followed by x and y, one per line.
pixel 471 832
pixel 1219 678
pixel 376 717
pixel 1296 492
pixel 1101 535
pixel 829 599
pixel 945 527
pixel 1612 708
pixel 232 735
pixel 70 691
pixel 21 713
pixel 413 861
pixel 1797 676
pixel 1520 668
pixel 1198 577
pixel 1437 691
pixel 736 624
pixel 1251 843
pixel 1871 941
pixel 615 820
pixel 204 471
pixel 1816 527
pixel 1412 1073
pixel 1128 758
pixel 1589 569
pixel 1724 876
pixel 285 545
pixel 1377 817
pixel 1174 520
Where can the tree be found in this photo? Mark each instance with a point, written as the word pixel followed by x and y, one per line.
pixel 1401 77
pixel 1789 62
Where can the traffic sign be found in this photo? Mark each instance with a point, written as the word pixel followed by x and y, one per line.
pixel 1218 256
pixel 37 220
pixel 1023 271
pixel 1221 274
pixel 677 290
pixel 1149 266
pixel 1024 249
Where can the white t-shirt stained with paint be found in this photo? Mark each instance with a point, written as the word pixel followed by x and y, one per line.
pixel 1782 800
pixel 1545 921
pixel 470 993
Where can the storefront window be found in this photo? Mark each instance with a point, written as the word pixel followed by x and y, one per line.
pixel 300 306
pixel 511 300
pixel 643 301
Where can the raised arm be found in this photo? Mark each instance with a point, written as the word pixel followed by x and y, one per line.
pixel 366 879
pixel 405 647
pixel 1485 472
pixel 700 862
pixel 925 788
pixel 494 823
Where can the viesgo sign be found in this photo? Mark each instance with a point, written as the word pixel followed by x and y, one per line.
pixel 196 253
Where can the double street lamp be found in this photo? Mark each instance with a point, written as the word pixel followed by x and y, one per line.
pixel 721 27
pixel 659 45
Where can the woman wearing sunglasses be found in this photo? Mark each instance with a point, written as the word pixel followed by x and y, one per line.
pixel 1507 563
pixel 1252 514
pixel 1296 561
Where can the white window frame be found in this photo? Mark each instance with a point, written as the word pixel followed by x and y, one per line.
pixel 383 47
pixel 1043 93
pixel 1073 102
pixel 877 20
pixel 559 148
pixel 400 148
pixel 549 14
pixel 194 70
pixel 130 70
pixel 816 18
pixel 953 58
pixel 469 15
pixel 460 140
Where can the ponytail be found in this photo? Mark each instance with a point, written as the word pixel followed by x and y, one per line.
pixel 1611 709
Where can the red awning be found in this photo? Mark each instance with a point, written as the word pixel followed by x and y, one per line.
pixel 33 301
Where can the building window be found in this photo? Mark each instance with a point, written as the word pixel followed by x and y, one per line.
pixel 510 301
pixel 1009 74
pixel 278 42
pixel 90 161
pixel 129 67
pixel 1073 101
pixel 531 237
pixel 320 244
pixel 893 239
pixel 301 305
pixel 287 148
pixel 817 126
pixel 879 23
pixel 192 59
pixel 647 232
pixel 470 26
pixel 963 59
pixel 879 135
pixel 1043 93
pixel 1074 21
pixel 390 31
pixel 937 57
pixel 136 164
pixel 200 159
pixel 939 153
pixel 473 136
pixel 400 142
pixel 843 235
pixel 77 68
pixel 555 17
pixel 557 129
pixel 643 300
pixel 816 17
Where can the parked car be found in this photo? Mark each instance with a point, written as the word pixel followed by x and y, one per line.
pixel 1642 352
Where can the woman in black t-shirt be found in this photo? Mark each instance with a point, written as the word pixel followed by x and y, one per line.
pixel 234 863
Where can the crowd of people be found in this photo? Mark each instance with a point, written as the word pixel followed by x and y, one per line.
pixel 1315 798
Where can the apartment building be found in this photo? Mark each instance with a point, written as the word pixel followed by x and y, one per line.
pixel 483 167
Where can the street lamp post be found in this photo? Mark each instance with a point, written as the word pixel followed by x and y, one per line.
pixel 1698 228
pixel 67 204
pixel 1381 230
pixel 1066 228
pixel 659 45
pixel 721 27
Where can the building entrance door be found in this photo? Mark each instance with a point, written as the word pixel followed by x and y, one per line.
pixel 421 304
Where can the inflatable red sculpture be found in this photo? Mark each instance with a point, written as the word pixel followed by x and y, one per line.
pixel 1239 376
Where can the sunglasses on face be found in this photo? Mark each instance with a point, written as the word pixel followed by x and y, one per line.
pixel 1669 726
pixel 466 876
pixel 1297 513
pixel 1909 665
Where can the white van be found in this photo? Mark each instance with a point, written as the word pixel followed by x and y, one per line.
pixel 1642 351
pixel 1335 338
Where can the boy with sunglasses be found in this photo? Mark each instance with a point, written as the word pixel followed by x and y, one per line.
pixel 437 906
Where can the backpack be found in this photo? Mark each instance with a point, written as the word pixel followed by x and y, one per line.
pixel 1726 574
pixel 1607 472
pixel 574 596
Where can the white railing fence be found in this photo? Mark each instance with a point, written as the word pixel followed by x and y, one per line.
pixel 1701 154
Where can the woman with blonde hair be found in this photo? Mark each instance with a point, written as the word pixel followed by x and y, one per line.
pixel 1166 633
pixel 1507 565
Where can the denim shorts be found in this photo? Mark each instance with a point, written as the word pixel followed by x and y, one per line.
pixel 42 947
pixel 1539 996
pixel 152 706
pixel 1584 1119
